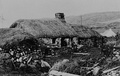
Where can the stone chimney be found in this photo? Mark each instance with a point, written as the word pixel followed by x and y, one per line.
pixel 60 16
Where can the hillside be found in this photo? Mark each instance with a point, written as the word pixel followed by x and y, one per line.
pixel 96 19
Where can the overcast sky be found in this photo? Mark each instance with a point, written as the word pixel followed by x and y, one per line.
pixel 20 9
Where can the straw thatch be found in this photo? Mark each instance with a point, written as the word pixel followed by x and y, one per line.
pixel 85 32
pixel 45 28
pixel 12 35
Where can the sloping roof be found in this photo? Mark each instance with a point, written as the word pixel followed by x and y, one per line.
pixel 108 33
pixel 12 35
pixel 83 31
pixel 53 28
pixel 45 27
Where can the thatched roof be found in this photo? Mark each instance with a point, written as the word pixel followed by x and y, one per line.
pixel 53 28
pixel 12 35
pixel 45 27
pixel 85 32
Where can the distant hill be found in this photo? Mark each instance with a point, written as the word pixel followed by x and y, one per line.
pixel 102 19
pixel 114 25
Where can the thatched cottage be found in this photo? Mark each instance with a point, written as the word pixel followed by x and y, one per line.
pixel 53 28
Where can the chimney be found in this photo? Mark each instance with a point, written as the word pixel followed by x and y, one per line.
pixel 60 16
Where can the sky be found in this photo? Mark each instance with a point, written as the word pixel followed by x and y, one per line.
pixel 12 10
